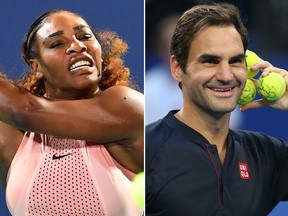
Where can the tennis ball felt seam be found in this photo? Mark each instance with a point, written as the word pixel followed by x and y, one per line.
pixel 248 94
pixel 271 87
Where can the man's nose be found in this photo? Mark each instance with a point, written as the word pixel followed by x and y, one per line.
pixel 224 72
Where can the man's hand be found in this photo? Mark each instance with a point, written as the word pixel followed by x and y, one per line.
pixel 281 103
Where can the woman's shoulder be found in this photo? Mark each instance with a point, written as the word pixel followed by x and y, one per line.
pixel 119 96
pixel 119 90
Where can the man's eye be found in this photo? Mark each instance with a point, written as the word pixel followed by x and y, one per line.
pixel 210 61
pixel 236 61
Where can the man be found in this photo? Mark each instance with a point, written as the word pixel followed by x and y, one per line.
pixel 195 164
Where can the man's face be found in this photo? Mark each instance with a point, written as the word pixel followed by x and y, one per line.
pixel 216 70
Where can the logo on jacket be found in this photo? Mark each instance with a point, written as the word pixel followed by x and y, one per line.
pixel 243 170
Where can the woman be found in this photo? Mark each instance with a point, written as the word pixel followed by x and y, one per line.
pixel 72 129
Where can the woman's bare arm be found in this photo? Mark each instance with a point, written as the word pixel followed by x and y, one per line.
pixel 114 117
pixel 115 114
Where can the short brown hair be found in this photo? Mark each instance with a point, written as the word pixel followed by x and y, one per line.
pixel 199 17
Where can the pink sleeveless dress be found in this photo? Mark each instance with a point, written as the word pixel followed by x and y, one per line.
pixel 51 176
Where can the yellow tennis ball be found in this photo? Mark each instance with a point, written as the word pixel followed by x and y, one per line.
pixel 271 87
pixel 251 59
pixel 138 189
pixel 248 93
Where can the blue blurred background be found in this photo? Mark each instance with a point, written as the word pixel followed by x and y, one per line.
pixel 266 21
pixel 124 17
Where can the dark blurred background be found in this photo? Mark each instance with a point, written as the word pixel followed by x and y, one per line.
pixel 124 17
pixel 266 21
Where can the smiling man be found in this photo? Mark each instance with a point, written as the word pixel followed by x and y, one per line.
pixel 195 164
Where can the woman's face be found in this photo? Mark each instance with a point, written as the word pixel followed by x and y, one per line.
pixel 69 57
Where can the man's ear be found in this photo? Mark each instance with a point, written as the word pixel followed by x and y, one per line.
pixel 176 70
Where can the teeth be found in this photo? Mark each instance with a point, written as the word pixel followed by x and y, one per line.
pixel 223 90
pixel 79 64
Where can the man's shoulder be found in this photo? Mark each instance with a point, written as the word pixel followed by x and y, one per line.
pixel 250 134
pixel 256 139
pixel 155 135
pixel 156 131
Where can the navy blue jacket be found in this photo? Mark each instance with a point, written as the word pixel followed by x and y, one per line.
pixel 184 175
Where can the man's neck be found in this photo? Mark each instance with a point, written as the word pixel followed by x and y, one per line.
pixel 215 130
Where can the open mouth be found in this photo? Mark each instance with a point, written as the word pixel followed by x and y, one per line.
pixel 79 64
pixel 222 89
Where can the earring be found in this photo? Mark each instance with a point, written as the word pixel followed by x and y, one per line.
pixel 38 75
